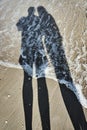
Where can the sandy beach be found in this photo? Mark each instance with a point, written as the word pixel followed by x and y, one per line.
pixel 65 111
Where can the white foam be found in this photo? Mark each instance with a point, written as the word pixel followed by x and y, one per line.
pixel 77 89
pixel 10 64
pixel 81 97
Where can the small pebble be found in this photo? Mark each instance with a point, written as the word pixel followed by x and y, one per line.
pixel 6 122
pixel 9 96
pixel 22 125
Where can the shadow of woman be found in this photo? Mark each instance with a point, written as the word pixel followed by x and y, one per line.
pixel 55 51
pixel 32 53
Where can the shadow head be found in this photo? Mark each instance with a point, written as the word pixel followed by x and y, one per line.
pixel 31 11
pixel 41 10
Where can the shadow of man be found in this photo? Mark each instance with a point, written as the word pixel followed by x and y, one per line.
pixel 32 53
pixel 55 51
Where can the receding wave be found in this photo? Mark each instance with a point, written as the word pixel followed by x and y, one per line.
pixel 10 64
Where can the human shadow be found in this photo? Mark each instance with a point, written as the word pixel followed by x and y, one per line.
pixel 56 53
pixel 32 53
pixel 43 102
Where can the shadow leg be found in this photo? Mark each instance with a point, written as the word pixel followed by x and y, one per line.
pixel 74 108
pixel 43 101
pixel 28 100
